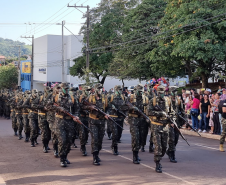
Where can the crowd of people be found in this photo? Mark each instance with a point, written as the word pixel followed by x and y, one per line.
pixel 201 107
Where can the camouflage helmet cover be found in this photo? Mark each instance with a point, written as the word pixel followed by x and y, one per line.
pixel 139 87
pixel 118 87
pixel 86 88
pixel 98 86
pixel 161 89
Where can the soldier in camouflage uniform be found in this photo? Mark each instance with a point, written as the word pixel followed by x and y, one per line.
pixel 160 123
pixel 51 117
pixel 97 120
pixel 12 102
pixel 25 111
pixel 19 113
pixel 75 110
pixel 84 116
pixel 32 102
pixel 222 111
pixel 137 122
pixel 173 134
pixel 63 123
pixel 1 103
pixel 42 119
pixel 6 97
pixel 116 102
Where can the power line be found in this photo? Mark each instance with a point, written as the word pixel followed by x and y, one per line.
pixel 73 34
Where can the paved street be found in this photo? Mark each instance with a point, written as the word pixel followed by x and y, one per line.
pixel 201 163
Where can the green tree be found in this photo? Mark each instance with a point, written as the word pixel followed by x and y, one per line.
pixel 193 36
pixel 105 29
pixel 139 25
pixel 8 76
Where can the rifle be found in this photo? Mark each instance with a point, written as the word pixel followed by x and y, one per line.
pixel 120 112
pixel 72 116
pixel 175 124
pixel 187 124
pixel 139 111
pixel 102 112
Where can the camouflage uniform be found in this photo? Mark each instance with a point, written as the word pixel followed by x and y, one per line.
pixel 42 120
pixel 84 117
pixel 18 110
pixel 25 111
pixel 97 121
pixel 33 105
pixel 1 103
pixel 116 102
pixel 6 97
pixel 222 107
pixel 13 114
pixel 75 109
pixel 63 123
pixel 137 122
pixel 159 122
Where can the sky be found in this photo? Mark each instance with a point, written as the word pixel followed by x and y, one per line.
pixel 39 17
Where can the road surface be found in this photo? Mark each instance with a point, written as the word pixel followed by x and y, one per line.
pixel 201 163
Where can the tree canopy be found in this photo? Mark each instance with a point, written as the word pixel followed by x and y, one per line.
pixel 8 76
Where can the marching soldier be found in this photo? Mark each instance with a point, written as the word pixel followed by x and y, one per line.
pixel 136 121
pixel 25 113
pixel 18 110
pixel 84 116
pixel 116 102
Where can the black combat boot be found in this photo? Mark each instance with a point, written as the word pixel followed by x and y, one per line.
pixel 83 150
pixel 135 157
pixel 55 152
pixel 27 136
pixel 158 167
pixel 45 150
pixel 63 163
pixel 75 146
pixel 151 148
pixel 32 143
pixel 172 157
pixel 15 132
pixel 95 159
pixel 67 161
pixel 168 153
pixel 142 149
pixel 36 142
pixel 109 136
pixel 115 150
pixel 20 135
pixel 98 157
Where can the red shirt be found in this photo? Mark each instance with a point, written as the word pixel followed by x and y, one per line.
pixel 196 103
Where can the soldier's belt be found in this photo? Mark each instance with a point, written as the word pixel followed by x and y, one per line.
pixel 84 115
pixel 12 110
pixel 155 123
pixel 59 116
pixel 95 117
pixel 18 113
pixel 25 113
pixel 40 113
pixel 67 117
pixel 133 115
pixel 114 116
pixel 34 112
pixel 155 118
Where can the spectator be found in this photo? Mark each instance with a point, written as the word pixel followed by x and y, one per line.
pixel 188 108
pixel 223 96
pixel 200 97
pixel 195 111
pixel 193 93
pixel 216 121
pixel 219 89
pixel 204 108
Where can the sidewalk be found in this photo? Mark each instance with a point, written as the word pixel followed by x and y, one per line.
pixel 206 135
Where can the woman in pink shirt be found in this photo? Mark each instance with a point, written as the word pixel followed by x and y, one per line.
pixel 195 111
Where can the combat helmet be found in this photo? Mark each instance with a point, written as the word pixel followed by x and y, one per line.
pixel 64 87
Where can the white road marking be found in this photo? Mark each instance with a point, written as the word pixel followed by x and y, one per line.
pixel 173 176
pixel 2 182
pixel 202 146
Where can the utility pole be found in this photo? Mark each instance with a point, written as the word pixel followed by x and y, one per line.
pixel 63 71
pixel 87 36
pixel 19 72
pixel 32 60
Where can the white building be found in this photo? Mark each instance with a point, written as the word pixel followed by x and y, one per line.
pixel 48 61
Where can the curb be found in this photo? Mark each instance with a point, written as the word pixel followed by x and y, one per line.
pixel 205 135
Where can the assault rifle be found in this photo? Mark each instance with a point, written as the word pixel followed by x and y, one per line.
pixel 138 110
pixel 187 124
pixel 72 116
pixel 175 124
pixel 85 102
pixel 120 112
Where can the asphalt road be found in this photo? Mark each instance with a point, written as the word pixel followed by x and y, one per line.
pixel 201 163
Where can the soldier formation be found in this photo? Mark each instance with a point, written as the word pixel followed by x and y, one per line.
pixel 64 114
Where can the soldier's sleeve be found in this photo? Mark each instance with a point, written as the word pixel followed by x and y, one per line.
pixel 76 107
